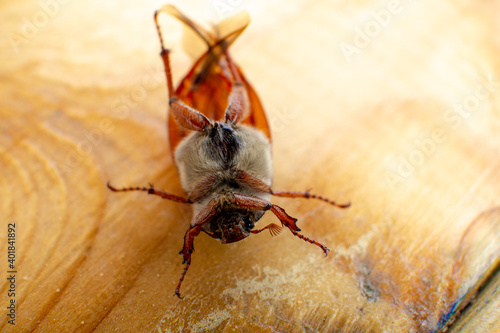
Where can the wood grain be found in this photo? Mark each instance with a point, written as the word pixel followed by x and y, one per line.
pixel 405 126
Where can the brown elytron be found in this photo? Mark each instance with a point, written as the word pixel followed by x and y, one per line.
pixel 221 144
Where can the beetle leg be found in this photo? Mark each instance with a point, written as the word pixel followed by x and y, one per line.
pixel 252 182
pixel 186 116
pixel 239 105
pixel 150 190
pixel 308 195
pixel 259 185
pixel 165 56
pixel 274 229
pixel 286 220
pixel 204 216
pixel 312 241
pixel 186 251
pixel 260 204
pixel 204 187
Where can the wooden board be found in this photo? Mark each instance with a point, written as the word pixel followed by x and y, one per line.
pixel 394 106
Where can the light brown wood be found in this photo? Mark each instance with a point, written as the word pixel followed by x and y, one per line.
pixel 482 314
pixel 402 120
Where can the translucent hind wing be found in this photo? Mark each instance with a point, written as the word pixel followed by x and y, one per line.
pixel 225 32
pixel 219 38
pixel 230 28
pixel 203 33
pixel 209 83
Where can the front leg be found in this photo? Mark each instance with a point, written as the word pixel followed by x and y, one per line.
pixel 252 203
pixel 185 115
pixel 186 251
pixel 204 216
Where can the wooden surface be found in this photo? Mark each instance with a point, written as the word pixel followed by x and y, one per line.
pixel 404 123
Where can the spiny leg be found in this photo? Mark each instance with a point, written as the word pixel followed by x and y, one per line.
pixel 186 116
pixel 177 289
pixel 186 252
pixel 259 185
pixel 253 203
pixel 150 190
pixel 290 223
pixel 239 105
pixel 204 216
pixel 312 241
pixel 164 55
pixel 274 229
pixel 308 195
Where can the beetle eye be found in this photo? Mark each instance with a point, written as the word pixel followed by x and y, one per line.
pixel 248 222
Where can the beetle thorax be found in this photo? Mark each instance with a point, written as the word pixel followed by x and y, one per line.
pixel 220 151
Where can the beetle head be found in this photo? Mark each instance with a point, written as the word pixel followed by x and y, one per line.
pixel 233 225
